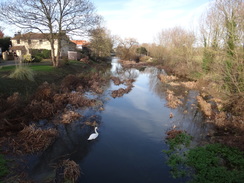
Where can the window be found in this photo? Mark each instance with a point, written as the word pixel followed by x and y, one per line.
pixel 18 41
pixel 40 41
pixel 29 41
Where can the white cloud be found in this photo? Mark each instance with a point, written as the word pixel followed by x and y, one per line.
pixel 143 19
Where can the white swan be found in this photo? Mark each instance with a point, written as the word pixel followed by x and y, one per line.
pixel 93 135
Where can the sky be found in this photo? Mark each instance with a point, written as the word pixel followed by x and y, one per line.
pixel 144 19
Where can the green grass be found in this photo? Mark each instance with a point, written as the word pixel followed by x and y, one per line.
pixel 3 167
pixel 212 163
pixel 33 67
pixel 46 68
pixel 7 68
pixel 43 73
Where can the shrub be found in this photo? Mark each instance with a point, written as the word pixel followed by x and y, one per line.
pixel 37 58
pixel 46 53
pixel 43 53
pixel 23 73
pixel 27 58
pixel 209 163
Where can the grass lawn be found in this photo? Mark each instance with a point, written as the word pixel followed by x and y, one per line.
pixel 42 73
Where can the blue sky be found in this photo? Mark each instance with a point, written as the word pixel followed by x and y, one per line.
pixel 144 19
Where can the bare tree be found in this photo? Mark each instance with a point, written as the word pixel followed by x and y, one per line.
pixel 127 48
pixel 54 17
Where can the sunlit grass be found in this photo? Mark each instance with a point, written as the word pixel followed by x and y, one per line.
pixel 33 67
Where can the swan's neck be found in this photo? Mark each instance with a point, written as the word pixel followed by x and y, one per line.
pixel 96 130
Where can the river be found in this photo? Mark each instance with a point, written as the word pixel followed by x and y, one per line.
pixel 131 133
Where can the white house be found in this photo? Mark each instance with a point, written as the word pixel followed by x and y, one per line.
pixel 23 43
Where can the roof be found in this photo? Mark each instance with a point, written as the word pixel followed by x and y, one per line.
pixel 18 48
pixel 31 35
pixel 80 42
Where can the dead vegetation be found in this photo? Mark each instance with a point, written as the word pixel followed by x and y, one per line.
pixel 133 64
pixel 32 139
pixel 70 116
pixel 173 101
pixel 120 92
pixel 166 79
pixel 235 105
pixel 171 134
pixel 190 84
pixel 116 80
pixel 205 106
pixel 67 171
pixel 89 123
pixel 47 102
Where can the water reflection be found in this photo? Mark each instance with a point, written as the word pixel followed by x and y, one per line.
pixel 131 132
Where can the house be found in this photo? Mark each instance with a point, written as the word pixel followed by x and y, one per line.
pixel 80 43
pixel 23 43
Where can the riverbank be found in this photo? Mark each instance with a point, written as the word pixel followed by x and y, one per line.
pixel 32 111
pixel 226 114
pixel 48 129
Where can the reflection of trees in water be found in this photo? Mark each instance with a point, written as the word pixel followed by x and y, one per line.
pixel 125 73
pixel 154 83
pixel 187 116
pixel 72 140
pixel 71 144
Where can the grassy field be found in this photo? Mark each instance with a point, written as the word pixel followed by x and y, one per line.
pixel 42 73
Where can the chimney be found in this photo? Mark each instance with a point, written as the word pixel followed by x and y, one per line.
pixel 18 33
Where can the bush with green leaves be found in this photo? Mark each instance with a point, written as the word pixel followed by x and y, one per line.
pixel 216 163
pixel 23 73
pixel 37 58
pixel 211 163
pixel 43 53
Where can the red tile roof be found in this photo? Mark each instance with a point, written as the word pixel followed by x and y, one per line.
pixel 80 42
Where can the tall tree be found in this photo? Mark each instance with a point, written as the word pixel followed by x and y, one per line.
pixel 55 17
pixel 101 42
pixel 223 31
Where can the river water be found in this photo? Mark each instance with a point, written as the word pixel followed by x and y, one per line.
pixel 131 133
